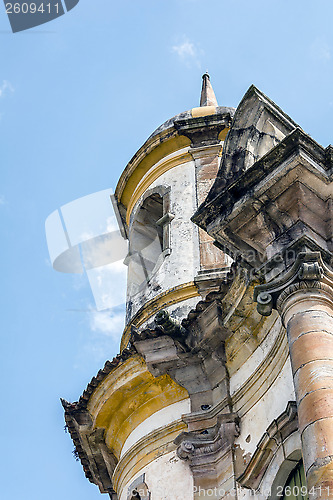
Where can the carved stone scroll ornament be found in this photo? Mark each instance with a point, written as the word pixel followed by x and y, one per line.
pixel 308 272
pixel 207 450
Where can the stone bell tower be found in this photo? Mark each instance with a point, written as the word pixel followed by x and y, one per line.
pixel 171 263
pixel 223 386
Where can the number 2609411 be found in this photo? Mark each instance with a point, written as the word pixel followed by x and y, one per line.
pixel 32 8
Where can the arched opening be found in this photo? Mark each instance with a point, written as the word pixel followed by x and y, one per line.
pixel 139 489
pixel 295 487
pixel 146 243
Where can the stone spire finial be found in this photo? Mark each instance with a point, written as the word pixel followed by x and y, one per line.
pixel 207 93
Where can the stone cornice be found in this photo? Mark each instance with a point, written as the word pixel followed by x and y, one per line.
pixel 293 143
pixel 204 130
pixel 280 206
pixel 100 426
pixel 97 461
pixel 109 366
pixel 172 296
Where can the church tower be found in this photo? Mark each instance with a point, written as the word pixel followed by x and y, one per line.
pixel 171 262
pixel 223 387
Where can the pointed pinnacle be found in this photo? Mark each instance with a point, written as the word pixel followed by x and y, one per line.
pixel 207 93
pixel 65 403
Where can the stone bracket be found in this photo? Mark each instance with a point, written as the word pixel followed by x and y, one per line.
pixel 208 451
pixel 308 268
pixel 203 131
pixel 194 357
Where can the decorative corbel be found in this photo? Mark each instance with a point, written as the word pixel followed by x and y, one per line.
pixel 308 271
pixel 208 449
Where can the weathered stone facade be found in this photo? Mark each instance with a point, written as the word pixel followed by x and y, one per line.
pixel 224 382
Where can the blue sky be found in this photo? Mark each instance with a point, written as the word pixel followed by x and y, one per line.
pixel 78 97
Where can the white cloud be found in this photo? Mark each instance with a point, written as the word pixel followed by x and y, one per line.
pixel 109 323
pixel 187 51
pixel 4 87
pixel 108 285
pixel 320 50
pixel 100 335
pixel 2 200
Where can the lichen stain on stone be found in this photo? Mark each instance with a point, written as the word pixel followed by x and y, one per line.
pixel 320 473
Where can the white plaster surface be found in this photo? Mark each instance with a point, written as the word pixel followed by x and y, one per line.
pixel 167 478
pixel 257 357
pixel 159 419
pixel 269 407
pixel 183 263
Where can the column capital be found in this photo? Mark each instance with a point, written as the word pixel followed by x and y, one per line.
pixel 308 275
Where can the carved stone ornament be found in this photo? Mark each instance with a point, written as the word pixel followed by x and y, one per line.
pixel 272 196
pixel 308 272
pixel 208 450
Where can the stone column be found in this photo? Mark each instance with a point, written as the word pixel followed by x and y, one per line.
pixel 305 303
pixel 271 205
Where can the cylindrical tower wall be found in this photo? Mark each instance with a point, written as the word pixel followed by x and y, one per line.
pixel 168 257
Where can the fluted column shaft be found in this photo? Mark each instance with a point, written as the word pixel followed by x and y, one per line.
pixel 306 309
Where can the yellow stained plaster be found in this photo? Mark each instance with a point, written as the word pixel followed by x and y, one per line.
pixel 136 170
pixel 177 294
pixel 159 169
pixel 203 111
pixel 127 397
pixel 223 135
pixel 154 173
pixel 151 153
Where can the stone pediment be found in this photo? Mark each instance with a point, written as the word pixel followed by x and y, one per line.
pixel 258 125
pixel 280 202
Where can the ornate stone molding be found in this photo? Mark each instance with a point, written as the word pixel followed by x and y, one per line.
pixel 208 450
pixel 193 357
pixel 302 285
pixel 273 187
pixel 275 435
pixel 176 294
pixel 309 272
pixel 97 461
